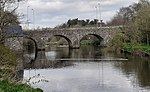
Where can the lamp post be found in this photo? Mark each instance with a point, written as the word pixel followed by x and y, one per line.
pixel 33 12
pixel 96 16
pixel 27 18
pixel 100 20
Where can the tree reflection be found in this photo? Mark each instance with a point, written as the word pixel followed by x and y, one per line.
pixel 47 59
pixel 137 68
pixel 90 52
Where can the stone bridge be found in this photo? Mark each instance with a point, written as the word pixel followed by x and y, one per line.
pixel 72 35
pixel 14 39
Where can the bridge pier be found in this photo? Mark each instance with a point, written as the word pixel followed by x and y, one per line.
pixel 74 47
pixel 41 49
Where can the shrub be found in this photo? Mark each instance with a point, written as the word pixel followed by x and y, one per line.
pixel 8 63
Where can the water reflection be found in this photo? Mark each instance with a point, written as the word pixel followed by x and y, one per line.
pixel 46 59
pixel 88 76
pixel 51 55
pixel 137 70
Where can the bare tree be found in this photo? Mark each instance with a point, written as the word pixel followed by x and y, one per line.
pixel 8 15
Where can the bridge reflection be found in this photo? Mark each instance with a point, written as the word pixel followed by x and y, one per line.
pixel 47 59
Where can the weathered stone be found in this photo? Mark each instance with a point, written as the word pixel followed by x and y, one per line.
pixel 15 43
pixel 72 35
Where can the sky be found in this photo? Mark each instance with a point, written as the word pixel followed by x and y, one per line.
pixel 50 13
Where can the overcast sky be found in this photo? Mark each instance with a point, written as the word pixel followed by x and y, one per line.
pixel 49 13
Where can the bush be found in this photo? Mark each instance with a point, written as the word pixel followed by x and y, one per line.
pixel 7 57
pixel 8 63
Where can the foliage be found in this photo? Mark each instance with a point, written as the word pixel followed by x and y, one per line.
pixel 136 22
pixel 7 63
pixel 8 15
pixel 143 20
pixel 115 21
pixel 78 23
pixel 126 15
pixel 12 87
pixel 86 42
pixel 133 34
pixel 7 56
pixel 133 47
pixel 118 42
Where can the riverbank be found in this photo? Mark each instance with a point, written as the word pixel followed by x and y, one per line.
pixel 14 87
pixel 10 72
pixel 141 50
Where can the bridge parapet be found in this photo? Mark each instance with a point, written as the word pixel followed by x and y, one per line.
pixel 72 35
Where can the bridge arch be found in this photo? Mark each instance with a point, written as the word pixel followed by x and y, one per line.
pixel 95 35
pixel 65 37
pixel 35 47
pixel 73 35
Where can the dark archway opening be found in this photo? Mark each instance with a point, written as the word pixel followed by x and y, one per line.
pixel 30 50
pixel 91 39
pixel 59 41
pixel 56 45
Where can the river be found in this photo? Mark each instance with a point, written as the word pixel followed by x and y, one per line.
pixel 88 69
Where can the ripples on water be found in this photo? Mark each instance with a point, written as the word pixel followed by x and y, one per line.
pixel 87 75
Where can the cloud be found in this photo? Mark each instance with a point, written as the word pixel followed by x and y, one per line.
pixel 46 6
pixel 49 13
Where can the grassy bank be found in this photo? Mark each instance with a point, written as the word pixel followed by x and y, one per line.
pixel 13 87
pixel 132 48
pixel 141 50
pixel 8 73
pixel 8 63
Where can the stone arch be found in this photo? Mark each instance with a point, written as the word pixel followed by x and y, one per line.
pixel 36 47
pixel 65 37
pixel 40 41
pixel 101 39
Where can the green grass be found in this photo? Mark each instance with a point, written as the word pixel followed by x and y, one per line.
pixel 131 48
pixel 8 65
pixel 12 87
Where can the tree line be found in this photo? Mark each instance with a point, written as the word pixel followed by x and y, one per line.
pixel 79 23
pixel 136 21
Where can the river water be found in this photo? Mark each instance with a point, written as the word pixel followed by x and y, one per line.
pixel 88 69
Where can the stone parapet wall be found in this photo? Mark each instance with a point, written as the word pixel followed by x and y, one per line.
pixel 15 43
